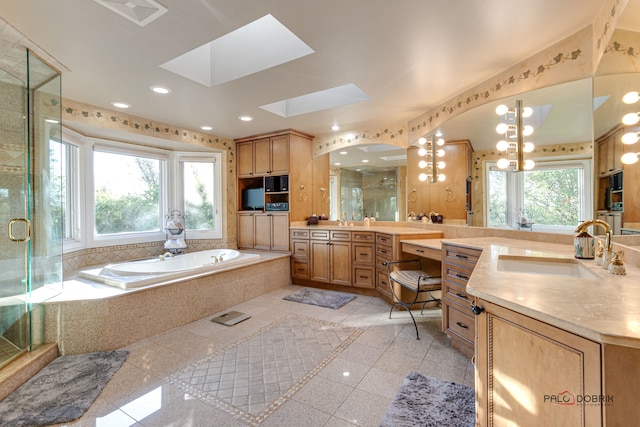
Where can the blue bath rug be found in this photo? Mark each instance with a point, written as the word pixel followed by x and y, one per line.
pixel 62 391
pixel 431 402
pixel 321 298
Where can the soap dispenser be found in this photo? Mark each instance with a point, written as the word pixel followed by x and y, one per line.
pixel 599 254
pixel 584 245
pixel 616 266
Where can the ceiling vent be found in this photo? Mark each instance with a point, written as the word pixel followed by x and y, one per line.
pixel 139 11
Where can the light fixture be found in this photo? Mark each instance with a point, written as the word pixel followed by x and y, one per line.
pixel 343 152
pixel 631 97
pixel 630 158
pixel 119 104
pixel 513 128
pixel 206 127
pixel 630 138
pixel 335 128
pixel 246 118
pixel 631 118
pixel 161 90
pixel 430 151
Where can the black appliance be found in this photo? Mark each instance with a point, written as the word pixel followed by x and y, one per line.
pixel 270 184
pixel 615 181
pixel 279 206
pixel 284 183
pixel 252 199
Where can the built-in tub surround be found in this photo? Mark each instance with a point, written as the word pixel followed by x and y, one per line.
pixel 108 318
pixel 135 274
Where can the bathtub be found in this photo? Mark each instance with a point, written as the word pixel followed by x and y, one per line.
pixel 135 274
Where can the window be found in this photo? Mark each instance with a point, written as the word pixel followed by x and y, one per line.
pixel 128 192
pixel 64 160
pixel 556 196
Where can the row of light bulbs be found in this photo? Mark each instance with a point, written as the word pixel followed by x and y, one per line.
pixel 514 131
pixel 430 151
pixel 630 119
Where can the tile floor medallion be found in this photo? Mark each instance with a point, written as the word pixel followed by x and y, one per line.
pixel 252 377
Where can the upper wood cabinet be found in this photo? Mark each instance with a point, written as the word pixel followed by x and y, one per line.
pixel 609 150
pixel 263 156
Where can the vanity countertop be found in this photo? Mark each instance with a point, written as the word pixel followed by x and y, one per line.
pixel 604 309
pixel 389 229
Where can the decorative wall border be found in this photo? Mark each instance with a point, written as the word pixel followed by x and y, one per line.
pixel 393 135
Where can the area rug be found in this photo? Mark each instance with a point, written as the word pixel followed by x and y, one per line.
pixel 426 401
pixel 62 391
pixel 321 298
pixel 251 378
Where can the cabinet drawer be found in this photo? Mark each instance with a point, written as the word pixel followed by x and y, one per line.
pixel 384 239
pixel 363 253
pixel 299 269
pixel 344 236
pixel 456 292
pixel 459 255
pixel 455 274
pixel 319 234
pixel 299 234
pixel 363 236
pixel 384 252
pixel 382 282
pixel 300 249
pixel 422 251
pixel 459 323
pixel 364 277
pixel 380 261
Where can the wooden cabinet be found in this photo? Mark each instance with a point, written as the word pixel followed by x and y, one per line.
pixel 263 156
pixel 457 319
pixel 363 252
pixel 609 151
pixel 384 253
pixel 300 254
pixel 330 257
pixel 264 230
pixel 529 373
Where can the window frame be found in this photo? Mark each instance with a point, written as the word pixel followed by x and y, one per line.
pixel 76 173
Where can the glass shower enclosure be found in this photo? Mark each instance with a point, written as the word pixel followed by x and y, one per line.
pixel 31 201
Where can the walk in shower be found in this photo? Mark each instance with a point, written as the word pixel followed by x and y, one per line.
pixel 32 195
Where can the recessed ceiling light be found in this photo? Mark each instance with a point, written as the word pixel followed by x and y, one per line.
pixel 118 104
pixel 365 161
pixel 52 121
pixel 335 127
pixel 161 90
pixel 246 118
pixel 343 152
pixel 206 127
pixel 337 164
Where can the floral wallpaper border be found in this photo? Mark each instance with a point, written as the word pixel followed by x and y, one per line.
pixel 393 135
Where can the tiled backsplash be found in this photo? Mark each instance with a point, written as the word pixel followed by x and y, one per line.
pixel 74 261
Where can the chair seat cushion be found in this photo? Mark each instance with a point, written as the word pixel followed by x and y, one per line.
pixel 411 278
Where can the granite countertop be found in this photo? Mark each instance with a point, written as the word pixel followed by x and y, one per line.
pixel 389 229
pixel 603 308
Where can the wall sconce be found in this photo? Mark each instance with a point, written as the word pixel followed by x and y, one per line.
pixel 430 151
pixel 514 132
pixel 630 119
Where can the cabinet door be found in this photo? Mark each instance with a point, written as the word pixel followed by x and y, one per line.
pixel 603 165
pixel 244 156
pixel 279 155
pixel 261 156
pixel 279 231
pixel 262 231
pixel 319 260
pixel 246 231
pixel 340 263
pixel 531 373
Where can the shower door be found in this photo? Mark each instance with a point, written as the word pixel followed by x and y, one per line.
pixel 30 213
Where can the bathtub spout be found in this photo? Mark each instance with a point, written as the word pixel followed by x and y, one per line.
pixel 215 259
pixel 166 254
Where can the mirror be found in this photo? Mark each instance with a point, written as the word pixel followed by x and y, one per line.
pixel 368 180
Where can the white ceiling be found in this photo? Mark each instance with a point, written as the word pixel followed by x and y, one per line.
pixel 407 56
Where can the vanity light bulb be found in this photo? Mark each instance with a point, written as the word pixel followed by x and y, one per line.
pixel 631 118
pixel 422 164
pixel 422 152
pixel 630 138
pixel 528 147
pixel 631 97
pixel 502 145
pixel 423 177
pixel 441 165
pixel 440 142
pixel 529 164
pixel 527 130
pixel 441 177
pixel 502 128
pixel 422 140
pixel 527 112
pixel 502 109
pixel 440 153
pixel 630 158
pixel 503 163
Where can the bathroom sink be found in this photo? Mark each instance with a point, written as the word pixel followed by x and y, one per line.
pixel 548 266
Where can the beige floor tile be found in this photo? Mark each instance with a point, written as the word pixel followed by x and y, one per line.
pixel 344 371
pixel 323 394
pixel 363 409
pixel 398 363
pixel 381 383
pixel 296 414
pixel 362 354
pixel 337 422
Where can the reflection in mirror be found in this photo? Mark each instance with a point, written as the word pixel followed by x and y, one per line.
pixel 368 180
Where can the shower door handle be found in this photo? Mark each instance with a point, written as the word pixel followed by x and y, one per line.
pixel 27 225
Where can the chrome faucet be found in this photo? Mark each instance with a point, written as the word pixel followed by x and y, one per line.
pixel 166 254
pixel 608 252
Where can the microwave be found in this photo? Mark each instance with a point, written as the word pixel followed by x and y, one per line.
pixel 615 181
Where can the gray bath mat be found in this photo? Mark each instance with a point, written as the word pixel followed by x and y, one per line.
pixel 426 401
pixel 62 391
pixel 321 298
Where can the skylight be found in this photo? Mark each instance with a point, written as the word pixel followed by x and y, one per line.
pixel 316 101
pixel 257 46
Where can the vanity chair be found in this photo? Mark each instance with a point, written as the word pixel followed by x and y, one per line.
pixel 416 281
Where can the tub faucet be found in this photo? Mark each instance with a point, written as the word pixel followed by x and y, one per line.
pixel 607 242
pixel 221 255
pixel 166 254
pixel 215 259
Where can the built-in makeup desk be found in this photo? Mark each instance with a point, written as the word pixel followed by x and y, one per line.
pixel 427 248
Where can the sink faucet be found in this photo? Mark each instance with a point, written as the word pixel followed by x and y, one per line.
pixel 166 254
pixel 607 242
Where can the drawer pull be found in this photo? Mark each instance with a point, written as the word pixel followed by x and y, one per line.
pixel 383 252
pixel 419 250
pixel 458 294
pixel 462 276
pixel 364 277
pixel 363 254
pixel 383 282
pixel 462 256
pixel 300 250
pixel 300 269
pixel 462 325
